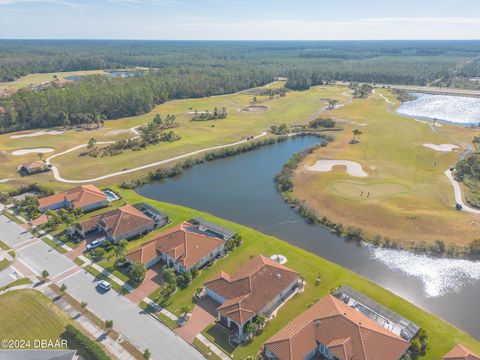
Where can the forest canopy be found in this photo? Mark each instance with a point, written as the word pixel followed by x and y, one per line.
pixel 181 69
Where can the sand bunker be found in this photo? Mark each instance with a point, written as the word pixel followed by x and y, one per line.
pixel 442 147
pixel 255 108
pixel 38 133
pixel 32 151
pixel 353 168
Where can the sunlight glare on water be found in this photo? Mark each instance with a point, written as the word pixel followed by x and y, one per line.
pixel 439 276
pixel 455 109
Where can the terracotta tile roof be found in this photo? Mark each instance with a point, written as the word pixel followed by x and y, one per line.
pixel 339 327
pixel 118 221
pixel 147 252
pixel 182 244
pixel 251 288
pixel 80 197
pixel 459 352
pixel 2 109
pixel 35 165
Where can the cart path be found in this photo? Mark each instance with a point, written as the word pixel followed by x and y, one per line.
pixel 58 177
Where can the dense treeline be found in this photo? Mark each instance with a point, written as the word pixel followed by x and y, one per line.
pixel 196 69
pixel 98 97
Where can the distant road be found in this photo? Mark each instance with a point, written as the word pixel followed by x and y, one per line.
pixel 427 89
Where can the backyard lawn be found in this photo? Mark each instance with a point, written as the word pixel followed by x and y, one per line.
pixel 442 335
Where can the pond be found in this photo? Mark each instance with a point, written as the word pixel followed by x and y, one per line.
pixel 241 189
pixel 454 109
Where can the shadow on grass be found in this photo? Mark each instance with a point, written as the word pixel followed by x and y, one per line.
pixel 220 336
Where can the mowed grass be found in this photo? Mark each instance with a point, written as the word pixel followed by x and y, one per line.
pixel 34 79
pixel 443 336
pixel 410 199
pixel 295 108
pixel 29 315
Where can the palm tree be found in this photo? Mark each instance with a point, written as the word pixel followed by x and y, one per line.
pixel 121 250
pixel 356 135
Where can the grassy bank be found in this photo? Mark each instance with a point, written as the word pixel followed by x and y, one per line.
pixel 443 335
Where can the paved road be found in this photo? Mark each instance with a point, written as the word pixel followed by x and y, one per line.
pixel 13 234
pixel 141 329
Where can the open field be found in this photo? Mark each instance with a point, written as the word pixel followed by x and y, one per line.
pixel 443 336
pixel 34 79
pixel 29 315
pixel 295 108
pixel 406 196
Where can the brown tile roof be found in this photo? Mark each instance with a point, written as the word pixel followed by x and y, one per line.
pixel 182 244
pixel 118 221
pixel 251 288
pixel 35 165
pixel 147 252
pixel 339 327
pixel 459 352
pixel 80 196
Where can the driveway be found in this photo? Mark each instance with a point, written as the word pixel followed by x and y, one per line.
pixel 153 279
pixel 12 233
pixel 199 320
pixel 140 328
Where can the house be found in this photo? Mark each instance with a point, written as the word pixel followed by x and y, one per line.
pixel 459 352
pixel 85 197
pixel 378 313
pixel 182 247
pixel 258 287
pixel 332 330
pixel 34 167
pixel 124 222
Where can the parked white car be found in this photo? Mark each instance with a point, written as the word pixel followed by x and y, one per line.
pixel 104 285
pixel 94 244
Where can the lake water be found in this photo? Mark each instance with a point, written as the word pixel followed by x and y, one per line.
pixel 241 189
pixel 454 109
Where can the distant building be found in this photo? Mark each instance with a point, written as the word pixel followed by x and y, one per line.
pixel 85 197
pixel 182 247
pixel 34 167
pixel 332 330
pixel 38 355
pixel 124 222
pixel 459 352
pixel 257 287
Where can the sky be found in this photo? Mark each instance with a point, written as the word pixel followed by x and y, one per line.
pixel 240 19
